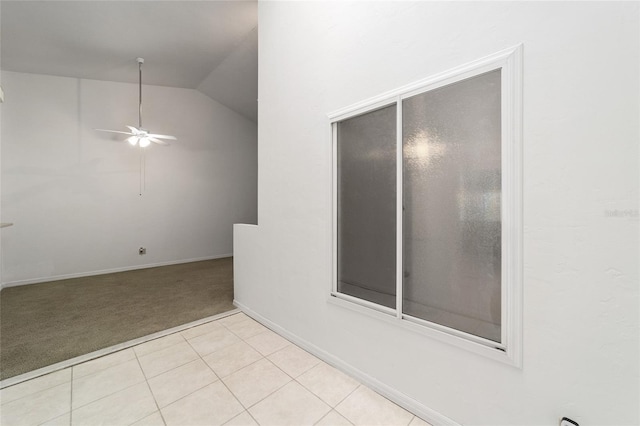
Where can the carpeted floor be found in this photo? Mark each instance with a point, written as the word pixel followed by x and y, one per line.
pixel 42 324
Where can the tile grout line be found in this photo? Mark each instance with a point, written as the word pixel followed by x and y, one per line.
pixel 171 369
pixel 107 396
pixel 224 384
pixel 351 393
pixel 32 393
pixel 293 379
pixel 333 410
pixel 150 391
pixel 103 368
pixel 239 414
pixel 115 392
pixel 71 399
pixel 327 402
pixel 275 390
pixel 161 349
pixel 248 319
pixel 264 357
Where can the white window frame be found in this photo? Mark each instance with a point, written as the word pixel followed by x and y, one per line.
pixel 509 350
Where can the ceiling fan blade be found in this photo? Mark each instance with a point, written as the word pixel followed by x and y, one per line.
pixel 113 131
pixel 153 135
pixel 134 131
pixel 158 141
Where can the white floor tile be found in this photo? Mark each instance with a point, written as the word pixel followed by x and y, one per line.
pixel 293 360
pixel 105 382
pixel 242 419
pixel 63 420
pixel 290 405
pixel 211 405
pixel 167 359
pixel 230 319
pixel 38 407
pixel 232 358
pixel 121 408
pixel 127 387
pixel 417 421
pixel 158 344
pixel 255 382
pixel 330 384
pixel 268 342
pixel 102 363
pixel 181 381
pixel 201 329
pixel 334 419
pixel 365 407
pixel 247 328
pixel 154 419
pixel 213 341
pixel 35 385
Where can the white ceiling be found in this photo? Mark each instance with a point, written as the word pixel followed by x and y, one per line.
pixel 211 46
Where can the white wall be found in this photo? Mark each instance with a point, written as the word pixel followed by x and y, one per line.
pixel 581 71
pixel 73 193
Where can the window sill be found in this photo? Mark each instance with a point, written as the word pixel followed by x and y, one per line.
pixel 384 314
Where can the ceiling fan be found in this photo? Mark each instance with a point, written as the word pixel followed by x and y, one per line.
pixel 138 135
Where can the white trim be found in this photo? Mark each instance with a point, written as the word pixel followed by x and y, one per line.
pixel 363 302
pixel 443 78
pixel 111 349
pixel 388 392
pixel 489 350
pixel 512 203
pixel 360 108
pixel 108 271
pixel 509 61
pixel 455 332
pixel 334 206
pixel 399 210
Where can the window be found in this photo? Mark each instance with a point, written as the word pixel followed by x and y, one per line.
pixel 427 206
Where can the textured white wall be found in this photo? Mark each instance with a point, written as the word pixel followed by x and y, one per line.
pixel 72 192
pixel 581 71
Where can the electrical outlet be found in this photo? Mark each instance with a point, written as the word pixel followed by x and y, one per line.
pixel 142 251
pixel 565 421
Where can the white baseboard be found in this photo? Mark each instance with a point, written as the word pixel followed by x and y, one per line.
pixel 388 392
pixel 108 271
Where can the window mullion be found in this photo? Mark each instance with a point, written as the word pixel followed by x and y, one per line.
pixel 399 210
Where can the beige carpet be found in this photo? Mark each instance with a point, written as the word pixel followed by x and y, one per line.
pixel 42 324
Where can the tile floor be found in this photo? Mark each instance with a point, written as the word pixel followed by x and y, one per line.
pixel 231 371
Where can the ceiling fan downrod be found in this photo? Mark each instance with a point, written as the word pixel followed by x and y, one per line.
pixel 140 62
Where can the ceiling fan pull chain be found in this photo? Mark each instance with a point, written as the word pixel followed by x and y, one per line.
pixel 142 176
pixel 144 170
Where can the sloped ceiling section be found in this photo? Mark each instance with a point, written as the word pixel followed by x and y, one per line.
pixel 187 44
pixel 234 82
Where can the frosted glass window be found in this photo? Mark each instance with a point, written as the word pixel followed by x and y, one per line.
pixel 366 151
pixel 427 206
pixel 452 193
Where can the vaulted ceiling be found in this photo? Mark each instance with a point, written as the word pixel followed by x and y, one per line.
pixel 210 46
